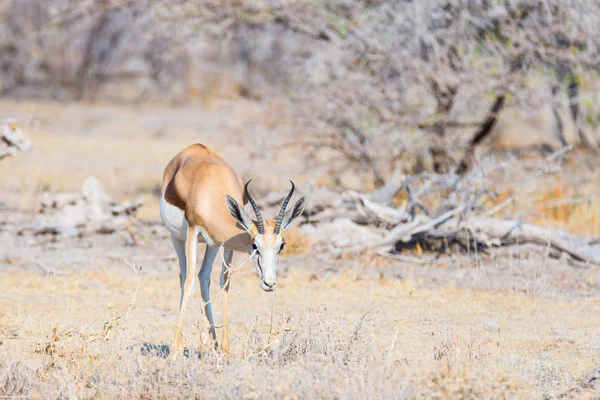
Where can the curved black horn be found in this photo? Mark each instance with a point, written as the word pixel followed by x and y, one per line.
pixel 282 210
pixel 259 219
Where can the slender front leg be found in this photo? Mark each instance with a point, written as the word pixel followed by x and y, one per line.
pixel 191 243
pixel 225 283
pixel 204 278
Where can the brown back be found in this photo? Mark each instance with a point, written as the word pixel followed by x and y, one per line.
pixel 196 181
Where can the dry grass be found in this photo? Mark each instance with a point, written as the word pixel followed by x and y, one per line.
pixel 101 335
pixel 567 205
pixel 574 209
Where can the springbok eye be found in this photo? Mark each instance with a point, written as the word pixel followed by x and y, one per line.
pixel 282 246
pixel 254 247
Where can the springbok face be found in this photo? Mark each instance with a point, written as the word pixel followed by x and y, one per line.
pixel 267 241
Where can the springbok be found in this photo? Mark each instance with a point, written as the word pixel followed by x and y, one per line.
pixel 200 202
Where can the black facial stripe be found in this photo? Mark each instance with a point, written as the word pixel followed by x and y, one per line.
pixel 260 267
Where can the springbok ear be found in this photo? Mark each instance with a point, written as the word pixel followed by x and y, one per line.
pixel 238 213
pixel 293 213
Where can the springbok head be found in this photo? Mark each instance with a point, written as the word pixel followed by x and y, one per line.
pixel 266 236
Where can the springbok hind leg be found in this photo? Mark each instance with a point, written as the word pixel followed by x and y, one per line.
pixel 225 282
pixel 187 280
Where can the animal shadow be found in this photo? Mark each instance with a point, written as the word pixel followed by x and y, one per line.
pixel 163 350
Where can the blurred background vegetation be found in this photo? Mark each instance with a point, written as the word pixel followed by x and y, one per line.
pixel 478 108
pixel 410 84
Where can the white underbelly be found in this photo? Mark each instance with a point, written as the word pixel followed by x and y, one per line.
pixel 174 219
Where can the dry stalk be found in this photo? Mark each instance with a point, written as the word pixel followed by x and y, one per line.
pixel 136 270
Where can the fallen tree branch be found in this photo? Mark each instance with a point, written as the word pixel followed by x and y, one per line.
pixel 12 138
pixel 404 232
pixel 91 211
pixel 377 213
pixel 511 231
pixel 385 194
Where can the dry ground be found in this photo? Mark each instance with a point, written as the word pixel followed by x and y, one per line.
pixel 77 321
pixel 336 334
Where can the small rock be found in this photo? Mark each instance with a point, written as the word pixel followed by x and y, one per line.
pixel 559 331
pixel 492 326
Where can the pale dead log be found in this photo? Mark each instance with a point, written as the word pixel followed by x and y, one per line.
pixel 5 152
pixel 106 225
pixel 404 232
pixel 377 213
pixel 57 201
pixel 511 231
pixel 337 236
pixel 594 240
pixel 579 264
pixel 385 194
pixel 320 199
pixel 127 208
pixel 12 138
pixel 464 235
pixel 91 211
pixel 332 214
